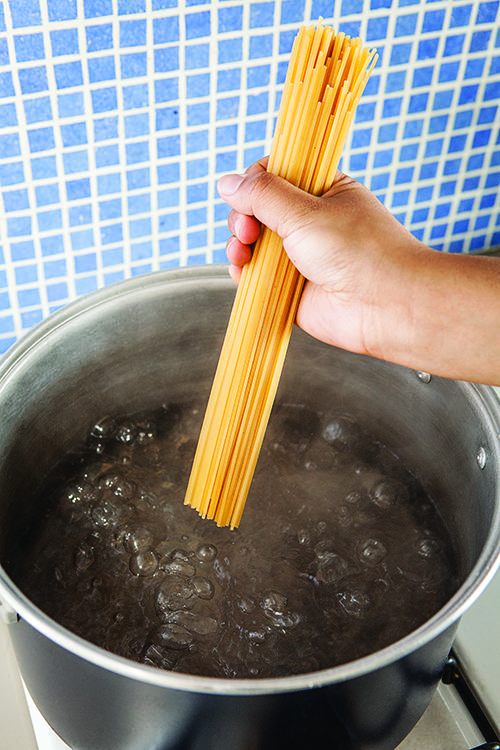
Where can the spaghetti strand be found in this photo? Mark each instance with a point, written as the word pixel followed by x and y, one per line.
pixel 326 76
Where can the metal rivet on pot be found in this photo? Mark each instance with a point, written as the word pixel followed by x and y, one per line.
pixel 425 377
pixel 481 458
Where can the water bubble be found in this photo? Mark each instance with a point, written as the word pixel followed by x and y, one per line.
pixel 177 566
pixel 372 551
pixel 105 514
pixel 203 587
pixel 303 536
pixel 354 602
pixel 172 636
pixel 387 492
pixel 126 432
pixel 104 429
pixel 84 557
pixel 245 604
pixel 173 593
pixel 353 497
pixel 143 563
pixel 341 432
pixel 139 539
pixel 274 602
pixel 195 623
pixel 331 568
pixel 125 489
pixel 427 546
pixel 162 658
pixel 257 635
pixel 80 491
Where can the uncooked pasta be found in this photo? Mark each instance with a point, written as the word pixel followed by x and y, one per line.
pixel 326 75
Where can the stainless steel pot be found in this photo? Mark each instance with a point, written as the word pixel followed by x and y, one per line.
pixel 139 343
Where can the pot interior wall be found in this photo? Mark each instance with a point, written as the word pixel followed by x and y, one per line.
pixel 159 341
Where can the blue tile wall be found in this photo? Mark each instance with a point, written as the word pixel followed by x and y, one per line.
pixel 118 116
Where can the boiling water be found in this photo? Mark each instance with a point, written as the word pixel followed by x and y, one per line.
pixel 339 552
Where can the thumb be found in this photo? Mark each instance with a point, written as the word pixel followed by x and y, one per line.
pixel 272 200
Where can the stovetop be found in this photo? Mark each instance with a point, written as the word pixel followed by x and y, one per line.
pixel 464 713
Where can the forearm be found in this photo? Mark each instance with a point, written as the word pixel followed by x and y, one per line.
pixel 446 318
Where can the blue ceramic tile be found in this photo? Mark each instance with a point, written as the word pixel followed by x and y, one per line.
pixel 97 8
pixel 137 152
pixel 376 29
pixel 166 30
pixel 197 56
pixel 105 128
pixel 433 21
pixel 47 194
pixel 99 37
pixel 29 47
pixel 229 80
pixel 104 100
pixel 168 146
pixel 25 13
pixel 230 50
pixel 33 80
pixel 101 69
pixel 261 15
pixel 139 204
pixel 68 74
pixel 74 134
pixel 78 189
pixel 166 90
pixel 64 42
pixel 53 269
pixel 197 141
pixel 6 84
pixel 49 220
pixel 111 234
pixel 262 45
pixel 166 60
pixel 37 110
pixel 58 11
pixel 133 33
pixel 460 15
pixel 8 115
pixel 138 178
pixel 197 168
pixel 167 118
pixel 230 19
pixel 111 209
pixel 134 65
pixel 71 104
pixel 80 216
pixel 400 54
pixel 131 6
pixel 198 25
pixel 140 228
pixel 487 12
pixel 41 139
pixel 15 200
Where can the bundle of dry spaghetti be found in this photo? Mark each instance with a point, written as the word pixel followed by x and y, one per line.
pixel 326 75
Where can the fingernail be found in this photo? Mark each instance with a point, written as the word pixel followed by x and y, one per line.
pixel 229 183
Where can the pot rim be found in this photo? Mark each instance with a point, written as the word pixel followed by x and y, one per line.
pixel 477 580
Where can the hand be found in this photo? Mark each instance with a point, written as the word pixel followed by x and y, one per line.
pixel 345 243
pixel 371 286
